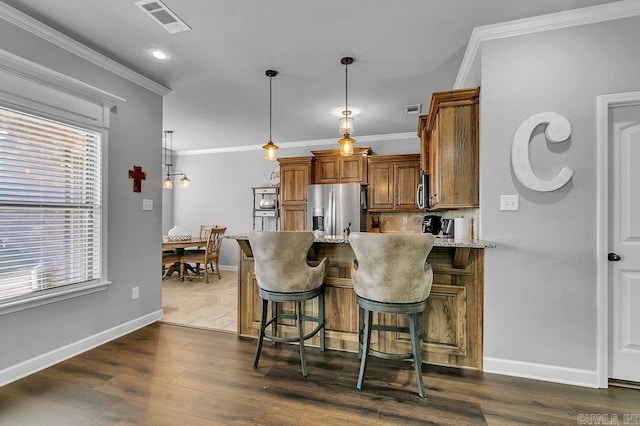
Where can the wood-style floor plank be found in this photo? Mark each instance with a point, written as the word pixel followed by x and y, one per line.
pixel 171 375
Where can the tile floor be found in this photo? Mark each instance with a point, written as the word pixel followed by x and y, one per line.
pixel 198 304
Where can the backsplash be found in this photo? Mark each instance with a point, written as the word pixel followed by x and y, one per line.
pixel 395 221
pixel 412 221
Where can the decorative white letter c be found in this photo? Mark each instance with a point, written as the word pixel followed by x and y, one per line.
pixel 558 130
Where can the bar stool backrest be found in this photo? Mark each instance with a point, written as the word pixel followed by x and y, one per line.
pixel 280 261
pixel 391 268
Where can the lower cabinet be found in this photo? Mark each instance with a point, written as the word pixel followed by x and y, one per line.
pixel 293 218
pixel 452 320
pixel 296 173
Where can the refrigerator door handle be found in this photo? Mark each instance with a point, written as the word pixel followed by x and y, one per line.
pixel 330 230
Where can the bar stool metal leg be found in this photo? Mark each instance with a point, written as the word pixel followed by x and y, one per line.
pixel 301 335
pixel 416 348
pixel 321 320
pixel 368 318
pixel 274 324
pixel 263 322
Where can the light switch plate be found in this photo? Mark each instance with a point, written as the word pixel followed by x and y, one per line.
pixel 509 203
pixel 147 204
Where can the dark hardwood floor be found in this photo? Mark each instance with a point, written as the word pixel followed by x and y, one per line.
pixel 171 375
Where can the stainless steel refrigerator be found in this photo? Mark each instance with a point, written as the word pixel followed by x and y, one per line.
pixel 334 210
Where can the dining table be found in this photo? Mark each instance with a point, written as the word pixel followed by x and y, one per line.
pixel 179 245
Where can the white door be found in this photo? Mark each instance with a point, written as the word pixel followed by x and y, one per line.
pixel 624 244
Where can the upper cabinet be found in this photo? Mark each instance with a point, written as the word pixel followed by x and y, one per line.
pixel 331 167
pixel 295 174
pixel 424 144
pixel 451 143
pixel 393 181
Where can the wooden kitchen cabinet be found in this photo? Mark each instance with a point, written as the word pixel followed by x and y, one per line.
pixel 331 167
pixel 452 145
pixel 295 174
pixel 393 181
pixel 424 143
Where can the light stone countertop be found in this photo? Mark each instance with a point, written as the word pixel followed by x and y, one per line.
pixel 439 242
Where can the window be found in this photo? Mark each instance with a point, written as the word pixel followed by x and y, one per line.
pixel 50 204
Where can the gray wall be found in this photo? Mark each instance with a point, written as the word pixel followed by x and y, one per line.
pixel 133 235
pixel 540 283
pixel 220 192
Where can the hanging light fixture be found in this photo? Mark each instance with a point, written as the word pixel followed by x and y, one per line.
pixel 270 147
pixel 167 183
pixel 346 122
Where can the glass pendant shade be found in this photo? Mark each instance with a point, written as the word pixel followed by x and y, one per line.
pixel 346 145
pixel 346 123
pixel 167 183
pixel 270 151
pixel 184 182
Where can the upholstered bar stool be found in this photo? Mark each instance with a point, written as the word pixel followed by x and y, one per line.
pixel 391 275
pixel 283 275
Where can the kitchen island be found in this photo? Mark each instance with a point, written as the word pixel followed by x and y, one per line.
pixel 452 319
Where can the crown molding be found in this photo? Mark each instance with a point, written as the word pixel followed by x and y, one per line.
pixel 469 72
pixel 41 30
pixel 299 144
pixel 36 73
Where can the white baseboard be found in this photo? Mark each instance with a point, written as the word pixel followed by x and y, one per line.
pixel 229 268
pixel 544 372
pixel 58 355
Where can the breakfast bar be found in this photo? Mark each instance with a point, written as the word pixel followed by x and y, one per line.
pixel 452 320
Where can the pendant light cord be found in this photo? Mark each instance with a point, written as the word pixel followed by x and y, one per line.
pixel 346 94
pixel 270 108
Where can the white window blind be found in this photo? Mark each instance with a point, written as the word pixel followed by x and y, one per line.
pixel 50 204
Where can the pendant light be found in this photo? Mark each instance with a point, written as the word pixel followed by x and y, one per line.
pixel 167 183
pixel 270 147
pixel 346 122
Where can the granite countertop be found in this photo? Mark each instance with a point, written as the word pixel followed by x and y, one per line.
pixel 440 242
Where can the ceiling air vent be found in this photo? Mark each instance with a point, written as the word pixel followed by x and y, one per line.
pixel 412 109
pixel 163 15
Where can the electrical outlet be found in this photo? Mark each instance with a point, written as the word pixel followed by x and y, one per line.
pixel 509 203
pixel 135 293
pixel 404 220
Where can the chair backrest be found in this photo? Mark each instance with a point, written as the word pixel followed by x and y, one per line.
pixel 391 267
pixel 205 230
pixel 280 261
pixel 214 242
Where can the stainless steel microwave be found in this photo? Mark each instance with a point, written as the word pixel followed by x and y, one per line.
pixel 422 193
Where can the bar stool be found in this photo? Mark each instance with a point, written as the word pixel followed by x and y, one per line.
pixel 390 274
pixel 283 275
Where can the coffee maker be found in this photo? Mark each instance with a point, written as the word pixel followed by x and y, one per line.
pixel 431 224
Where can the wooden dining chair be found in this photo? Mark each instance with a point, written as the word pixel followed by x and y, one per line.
pixel 204 235
pixel 208 256
pixel 170 257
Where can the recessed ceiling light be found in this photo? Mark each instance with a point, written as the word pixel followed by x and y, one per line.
pixel 158 54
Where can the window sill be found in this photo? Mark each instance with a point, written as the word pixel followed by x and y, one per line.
pixel 50 296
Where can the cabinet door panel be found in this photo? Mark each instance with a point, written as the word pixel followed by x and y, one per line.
pixel 327 170
pixel 381 186
pixel 293 182
pixel 352 169
pixel 293 218
pixel 407 177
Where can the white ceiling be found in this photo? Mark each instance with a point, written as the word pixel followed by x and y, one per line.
pixel 404 50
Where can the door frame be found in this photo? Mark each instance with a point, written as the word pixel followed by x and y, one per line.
pixel 604 103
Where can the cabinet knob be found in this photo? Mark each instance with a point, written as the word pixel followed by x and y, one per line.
pixel 614 257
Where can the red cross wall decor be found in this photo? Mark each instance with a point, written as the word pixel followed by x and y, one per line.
pixel 138 176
